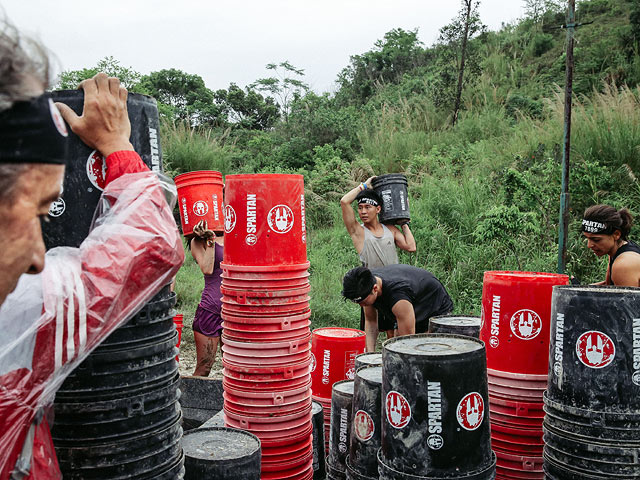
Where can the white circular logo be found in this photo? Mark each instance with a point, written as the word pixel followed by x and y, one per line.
pixel 351 373
pixel 494 342
pixel 435 442
pixel 97 170
pixel 526 324
pixel 229 219
pixel 57 208
pixel 313 363
pixel 470 411
pixel 58 121
pixel 595 349
pixel 280 219
pixel 363 426
pixel 342 447
pixel 251 239
pixel 557 369
pixel 635 378
pixel 398 409
pixel 200 208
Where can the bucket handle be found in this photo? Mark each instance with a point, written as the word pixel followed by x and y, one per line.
pixel 286 324
pixel 244 423
pixel 278 399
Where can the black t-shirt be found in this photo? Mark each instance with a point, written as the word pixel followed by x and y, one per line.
pixel 424 291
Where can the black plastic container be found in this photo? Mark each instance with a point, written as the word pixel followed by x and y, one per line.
pixel 395 198
pixel 353 474
pixel 435 414
pixel 386 472
pixel 71 216
pixel 365 430
pixel 368 359
pixel 455 324
pixel 222 454
pixel 591 363
pixel 341 420
pixel 317 419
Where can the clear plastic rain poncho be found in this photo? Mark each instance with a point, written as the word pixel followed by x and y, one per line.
pixel 53 320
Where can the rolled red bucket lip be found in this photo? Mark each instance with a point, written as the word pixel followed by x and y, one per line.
pixel 283 371
pixel 297 473
pixel 237 332
pixel 515 420
pixel 507 406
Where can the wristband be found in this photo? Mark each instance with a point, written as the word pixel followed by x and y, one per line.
pixel 364 186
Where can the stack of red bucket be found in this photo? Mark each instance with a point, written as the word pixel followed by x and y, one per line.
pixel 516 309
pixel 333 352
pixel 265 308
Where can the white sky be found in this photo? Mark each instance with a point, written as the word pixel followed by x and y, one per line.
pixel 226 42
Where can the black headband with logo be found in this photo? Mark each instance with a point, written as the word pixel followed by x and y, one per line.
pixel 33 131
pixel 368 201
pixel 364 292
pixel 592 226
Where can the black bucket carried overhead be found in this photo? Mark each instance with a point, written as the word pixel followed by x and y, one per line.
pixel 435 408
pixel 365 430
pixel 456 324
pixel 221 453
pixel 71 215
pixel 395 197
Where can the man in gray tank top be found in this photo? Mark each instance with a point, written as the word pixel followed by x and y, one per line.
pixel 375 243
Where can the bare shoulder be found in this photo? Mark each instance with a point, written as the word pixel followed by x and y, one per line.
pixel 626 270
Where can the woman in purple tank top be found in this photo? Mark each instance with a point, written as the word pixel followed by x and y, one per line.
pixel 206 249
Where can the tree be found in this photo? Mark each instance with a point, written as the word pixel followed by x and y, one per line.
pixel 185 95
pixel 247 109
pixel 398 53
pixel 285 86
pixel 457 51
pixel 70 79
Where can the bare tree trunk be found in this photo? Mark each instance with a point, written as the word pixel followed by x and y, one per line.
pixel 465 38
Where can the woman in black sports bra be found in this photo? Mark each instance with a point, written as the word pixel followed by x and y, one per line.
pixel 607 232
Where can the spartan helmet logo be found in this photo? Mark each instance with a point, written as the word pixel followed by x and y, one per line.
pixel 229 218
pixel 200 208
pixel 470 411
pixel 280 219
pixel 526 324
pixel 363 426
pixel 595 349
pixel 97 170
pixel 398 410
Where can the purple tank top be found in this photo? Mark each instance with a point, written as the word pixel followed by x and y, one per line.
pixel 211 296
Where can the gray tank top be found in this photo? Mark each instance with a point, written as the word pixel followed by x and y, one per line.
pixel 378 252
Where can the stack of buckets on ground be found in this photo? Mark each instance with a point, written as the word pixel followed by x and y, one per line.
pixel 592 404
pixel 265 309
pixel 516 309
pixel 333 353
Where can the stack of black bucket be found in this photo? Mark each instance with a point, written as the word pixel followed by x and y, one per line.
pixel 592 405
pixel 435 415
pixel 340 429
pixel 117 415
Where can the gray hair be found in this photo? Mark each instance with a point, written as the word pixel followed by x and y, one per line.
pixel 23 61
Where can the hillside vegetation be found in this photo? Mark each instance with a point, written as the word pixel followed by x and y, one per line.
pixel 485 192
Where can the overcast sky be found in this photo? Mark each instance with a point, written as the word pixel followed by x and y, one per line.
pixel 229 41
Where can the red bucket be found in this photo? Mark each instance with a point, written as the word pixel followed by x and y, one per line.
pixel 235 331
pixel 200 198
pixel 333 351
pixel 272 429
pixel 286 452
pixel 516 409
pixel 178 319
pixel 266 373
pixel 265 220
pixel 258 323
pixel 516 309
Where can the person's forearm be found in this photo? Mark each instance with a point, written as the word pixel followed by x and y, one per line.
pixel 371 332
pixel 351 195
pixel 408 237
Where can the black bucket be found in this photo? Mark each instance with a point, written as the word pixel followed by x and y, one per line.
pixel 456 324
pixel 386 472
pixel 591 361
pixel 71 216
pixel 435 413
pixel 395 198
pixel 146 456
pixel 221 453
pixel 353 474
pixel 317 419
pixel 341 419
pixel 367 359
pixel 365 430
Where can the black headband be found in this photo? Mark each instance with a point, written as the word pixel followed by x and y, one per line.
pixel 368 201
pixel 591 226
pixel 33 132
